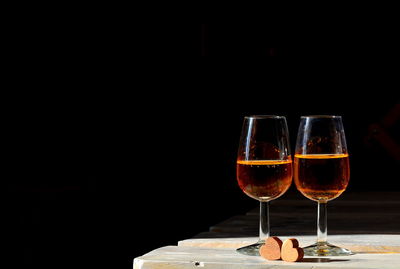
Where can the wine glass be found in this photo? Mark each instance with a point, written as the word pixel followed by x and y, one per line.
pixel 321 172
pixel 264 166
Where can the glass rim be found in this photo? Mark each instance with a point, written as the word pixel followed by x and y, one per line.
pixel 264 117
pixel 321 117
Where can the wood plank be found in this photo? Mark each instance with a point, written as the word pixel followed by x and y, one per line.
pixel 366 223
pixel 194 257
pixel 364 243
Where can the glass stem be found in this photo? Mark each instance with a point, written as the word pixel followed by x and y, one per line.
pixel 264 220
pixel 322 224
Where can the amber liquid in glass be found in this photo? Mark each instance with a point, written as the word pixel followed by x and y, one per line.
pixel 321 177
pixel 264 180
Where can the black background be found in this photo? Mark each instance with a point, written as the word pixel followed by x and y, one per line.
pixel 123 139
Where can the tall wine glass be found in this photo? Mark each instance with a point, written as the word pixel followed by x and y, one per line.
pixel 264 166
pixel 321 172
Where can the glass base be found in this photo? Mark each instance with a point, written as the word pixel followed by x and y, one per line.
pixel 325 249
pixel 251 250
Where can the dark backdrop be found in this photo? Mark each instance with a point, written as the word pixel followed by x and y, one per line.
pixel 129 143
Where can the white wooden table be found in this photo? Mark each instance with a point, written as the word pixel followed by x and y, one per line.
pixel 366 223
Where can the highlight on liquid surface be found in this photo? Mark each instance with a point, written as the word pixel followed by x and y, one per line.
pixel 264 180
pixel 321 177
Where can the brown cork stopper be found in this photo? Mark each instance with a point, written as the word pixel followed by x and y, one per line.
pixel 271 250
pixel 291 252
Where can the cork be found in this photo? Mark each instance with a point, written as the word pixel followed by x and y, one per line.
pixel 291 252
pixel 271 250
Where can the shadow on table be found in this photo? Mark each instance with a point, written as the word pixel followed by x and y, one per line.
pixel 320 260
